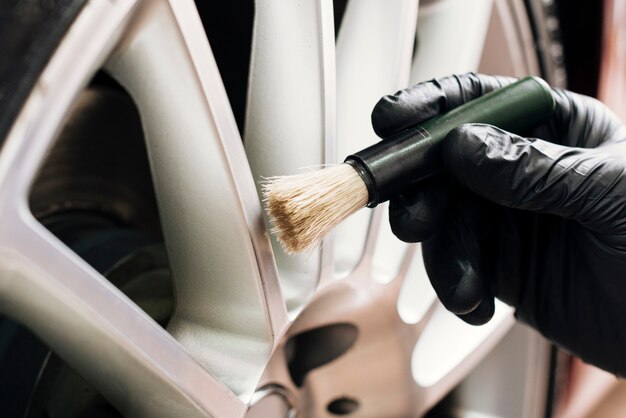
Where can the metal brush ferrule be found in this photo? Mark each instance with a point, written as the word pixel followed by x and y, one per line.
pixel 368 179
pixel 390 166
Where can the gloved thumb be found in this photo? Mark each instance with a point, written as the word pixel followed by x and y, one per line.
pixel 539 176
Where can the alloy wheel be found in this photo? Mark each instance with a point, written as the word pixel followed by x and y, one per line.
pixel 353 328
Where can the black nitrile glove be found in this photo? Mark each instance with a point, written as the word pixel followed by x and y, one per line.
pixel 537 223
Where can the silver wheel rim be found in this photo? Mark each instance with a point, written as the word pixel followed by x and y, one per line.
pixel 238 298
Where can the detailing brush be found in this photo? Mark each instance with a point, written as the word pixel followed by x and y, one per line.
pixel 303 208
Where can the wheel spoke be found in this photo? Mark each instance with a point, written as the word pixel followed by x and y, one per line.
pixel 208 74
pixel 442 51
pixel 84 318
pixel 102 333
pixel 416 293
pixel 290 112
pixel 442 358
pixel 374 50
pixel 228 302
pixel 389 251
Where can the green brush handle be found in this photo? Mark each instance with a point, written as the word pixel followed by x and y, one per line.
pixel 393 165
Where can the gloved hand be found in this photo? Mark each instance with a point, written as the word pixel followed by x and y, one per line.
pixel 538 222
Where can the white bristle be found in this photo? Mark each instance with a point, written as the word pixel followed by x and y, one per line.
pixel 304 208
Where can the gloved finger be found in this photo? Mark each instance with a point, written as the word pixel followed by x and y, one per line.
pixel 411 106
pixel 416 214
pixel 452 262
pixel 538 176
pixel 482 313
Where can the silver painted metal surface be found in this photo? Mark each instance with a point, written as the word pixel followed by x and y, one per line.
pixel 291 67
pixel 385 371
pixel 238 301
pixel 374 50
pixel 210 214
pixel 116 346
pixel 457 29
pixel 511 382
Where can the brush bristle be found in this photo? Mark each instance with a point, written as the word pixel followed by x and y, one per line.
pixel 304 208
